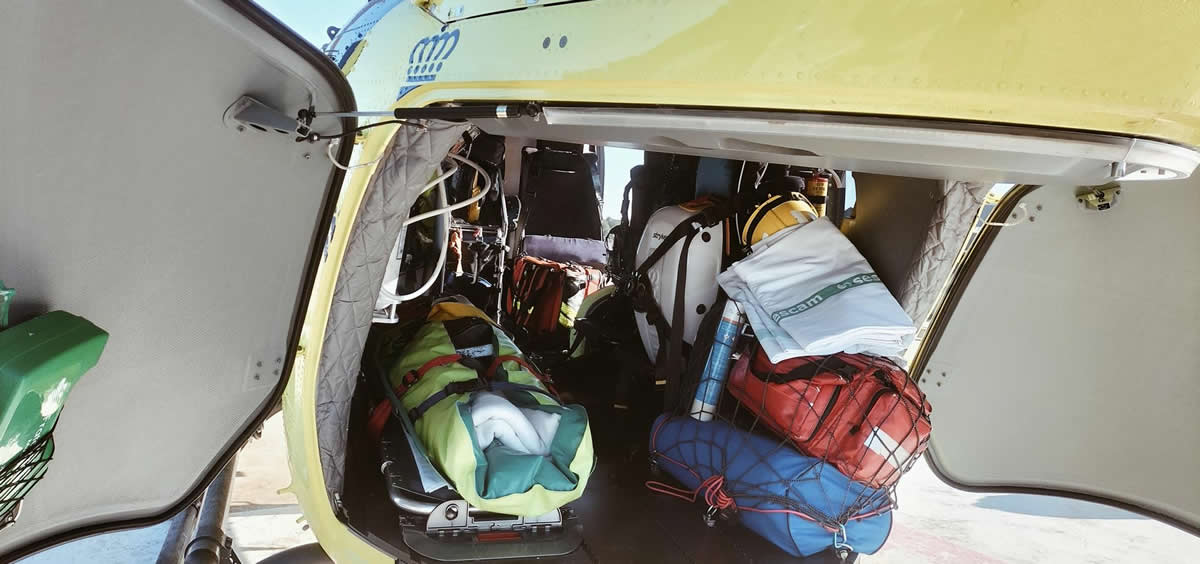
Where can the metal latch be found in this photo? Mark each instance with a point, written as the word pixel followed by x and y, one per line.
pixel 247 112
pixel 455 517
pixel 1100 198
pixel 443 14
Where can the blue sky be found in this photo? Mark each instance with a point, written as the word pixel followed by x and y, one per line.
pixel 617 163
pixel 310 18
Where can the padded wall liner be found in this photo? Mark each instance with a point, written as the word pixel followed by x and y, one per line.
pixel 412 158
pixel 953 216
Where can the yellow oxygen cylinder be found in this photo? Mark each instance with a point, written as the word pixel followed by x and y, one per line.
pixel 817 189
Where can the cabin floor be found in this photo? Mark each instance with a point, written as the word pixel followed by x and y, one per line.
pixel 625 522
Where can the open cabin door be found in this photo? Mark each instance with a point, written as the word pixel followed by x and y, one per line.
pixel 131 198
pixel 1065 359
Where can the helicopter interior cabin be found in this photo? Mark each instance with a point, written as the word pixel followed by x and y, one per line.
pixel 526 243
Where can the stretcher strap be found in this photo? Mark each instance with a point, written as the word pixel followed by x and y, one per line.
pixel 517 387
pixel 451 389
pixel 498 365
pixel 467 387
pixel 411 377
pixel 379 415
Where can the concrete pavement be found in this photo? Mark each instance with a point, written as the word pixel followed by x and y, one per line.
pixel 261 520
pixel 937 524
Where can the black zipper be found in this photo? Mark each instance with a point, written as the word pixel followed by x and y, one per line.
pixel 888 388
pixel 828 408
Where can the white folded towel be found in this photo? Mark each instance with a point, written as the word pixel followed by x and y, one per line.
pixel 529 431
pixel 808 291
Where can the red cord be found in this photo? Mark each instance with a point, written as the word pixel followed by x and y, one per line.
pixel 714 494
pixel 377 420
pixel 659 487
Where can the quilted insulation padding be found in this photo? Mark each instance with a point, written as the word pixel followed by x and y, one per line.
pixel 952 220
pixel 412 158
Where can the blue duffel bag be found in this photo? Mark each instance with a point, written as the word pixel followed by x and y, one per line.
pixel 797 502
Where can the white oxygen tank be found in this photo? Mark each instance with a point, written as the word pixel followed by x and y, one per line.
pixel 704 264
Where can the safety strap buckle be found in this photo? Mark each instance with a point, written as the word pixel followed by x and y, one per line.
pixel 409 379
pixel 712 215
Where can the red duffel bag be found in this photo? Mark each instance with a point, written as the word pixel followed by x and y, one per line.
pixel 858 412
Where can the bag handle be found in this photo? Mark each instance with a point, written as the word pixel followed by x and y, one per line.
pixel 887 389
pixel 831 370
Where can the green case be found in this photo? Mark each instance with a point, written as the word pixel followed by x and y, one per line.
pixel 40 361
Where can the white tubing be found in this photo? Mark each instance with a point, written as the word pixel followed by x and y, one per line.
pixel 387 295
pixel 332 159
pixel 487 187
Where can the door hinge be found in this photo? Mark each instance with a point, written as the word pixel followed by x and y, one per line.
pixel 1099 198
pixel 441 13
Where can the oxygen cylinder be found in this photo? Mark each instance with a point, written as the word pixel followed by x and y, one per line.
pixel 817 190
pixel 716 368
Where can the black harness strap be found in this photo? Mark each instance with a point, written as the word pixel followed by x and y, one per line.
pixel 669 369
pixel 685 228
pixel 670 335
pixel 502 385
pixel 461 387
pixel 498 382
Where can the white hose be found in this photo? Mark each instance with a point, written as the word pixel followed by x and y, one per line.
pixel 332 159
pixel 389 296
pixel 487 187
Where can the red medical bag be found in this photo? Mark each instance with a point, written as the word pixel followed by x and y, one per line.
pixel 858 412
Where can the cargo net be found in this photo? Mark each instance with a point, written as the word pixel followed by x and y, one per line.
pixel 822 439
pixel 19 476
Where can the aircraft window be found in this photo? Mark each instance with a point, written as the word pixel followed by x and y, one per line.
pixel 617 163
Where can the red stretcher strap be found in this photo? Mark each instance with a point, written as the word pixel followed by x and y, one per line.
pixel 500 360
pixel 379 415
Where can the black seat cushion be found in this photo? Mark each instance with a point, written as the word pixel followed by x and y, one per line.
pixel 560 192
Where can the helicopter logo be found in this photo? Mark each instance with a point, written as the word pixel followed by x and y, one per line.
pixel 427 57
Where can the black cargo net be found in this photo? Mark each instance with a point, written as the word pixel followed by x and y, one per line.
pixel 19 475
pixel 820 439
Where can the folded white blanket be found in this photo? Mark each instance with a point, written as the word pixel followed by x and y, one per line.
pixel 525 430
pixel 808 291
